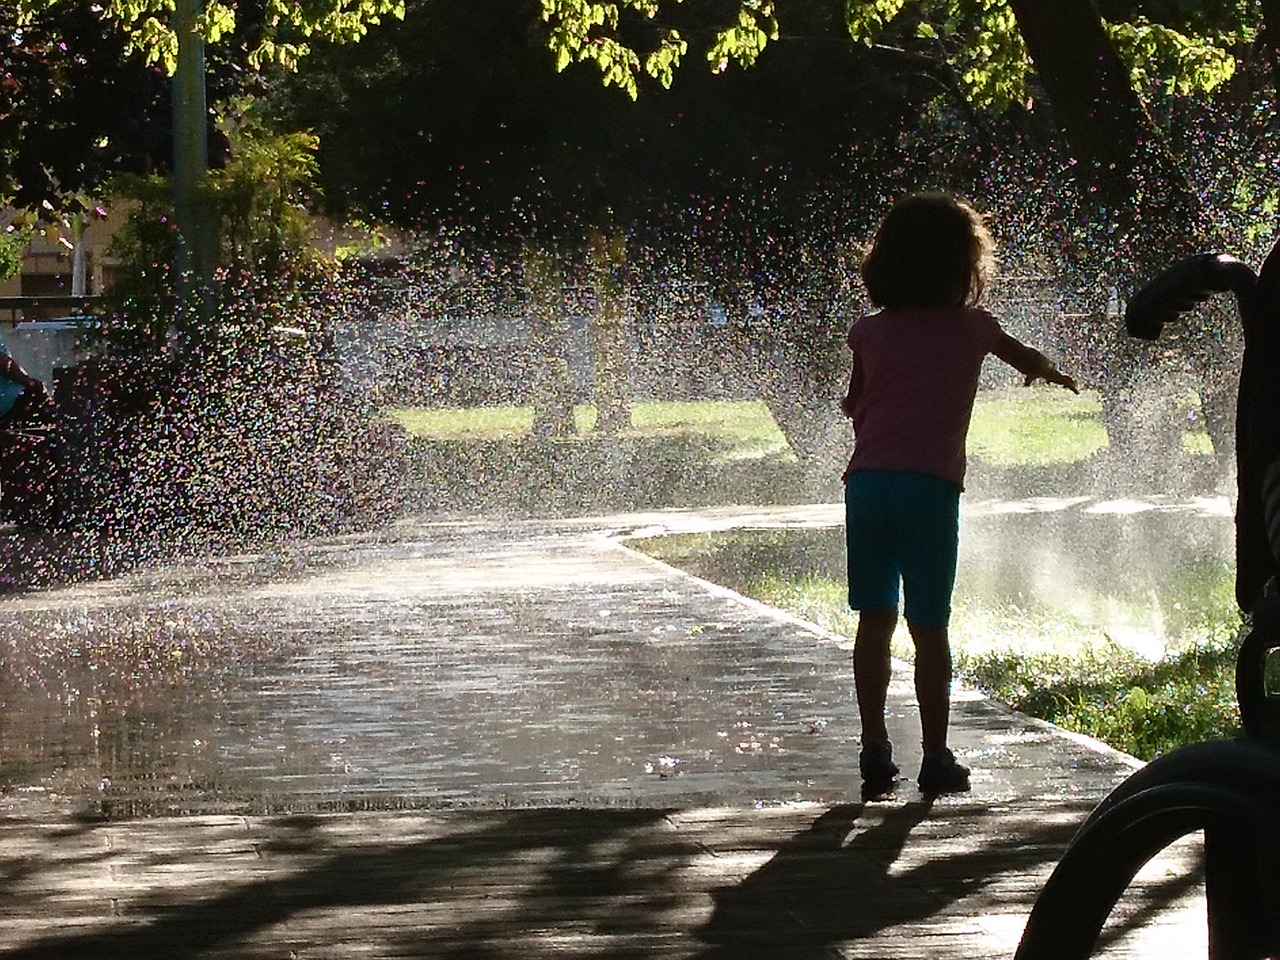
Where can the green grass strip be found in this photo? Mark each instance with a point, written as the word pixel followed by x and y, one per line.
pixel 1034 427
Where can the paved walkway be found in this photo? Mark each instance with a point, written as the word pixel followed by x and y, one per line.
pixel 483 740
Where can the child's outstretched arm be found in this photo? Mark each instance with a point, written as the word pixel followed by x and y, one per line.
pixel 1032 364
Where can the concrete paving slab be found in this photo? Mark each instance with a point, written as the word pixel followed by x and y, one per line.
pixel 497 739
pixel 459 664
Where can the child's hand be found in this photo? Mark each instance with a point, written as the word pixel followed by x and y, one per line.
pixel 1052 374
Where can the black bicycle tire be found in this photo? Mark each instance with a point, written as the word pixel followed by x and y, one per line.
pixel 1154 808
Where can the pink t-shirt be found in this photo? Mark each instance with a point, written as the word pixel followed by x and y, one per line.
pixel 916 376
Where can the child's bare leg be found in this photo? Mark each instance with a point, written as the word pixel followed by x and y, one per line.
pixel 933 684
pixel 871 670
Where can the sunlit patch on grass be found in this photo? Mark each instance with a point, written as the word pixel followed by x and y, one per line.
pixel 472 423
pixel 1018 428
pixel 733 430
pixel 1197 443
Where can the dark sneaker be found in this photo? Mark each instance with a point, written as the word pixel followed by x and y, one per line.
pixel 879 772
pixel 940 773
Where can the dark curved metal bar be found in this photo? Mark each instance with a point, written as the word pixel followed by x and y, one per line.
pixel 1117 841
pixel 1229 789
pixel 1187 283
pixel 1258 440
pixel 1259 712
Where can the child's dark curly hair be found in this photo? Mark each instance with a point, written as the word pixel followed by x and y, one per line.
pixel 932 250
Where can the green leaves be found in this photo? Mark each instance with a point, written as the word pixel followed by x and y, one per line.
pixel 866 20
pixel 1175 63
pixel 980 39
pixel 263 191
pixel 661 64
pixel 13 245
pixel 586 30
pixel 573 38
pixel 993 62
pixel 747 38
pixel 287 25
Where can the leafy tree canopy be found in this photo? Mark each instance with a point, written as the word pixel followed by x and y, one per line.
pixel 456 115
pixel 1173 45
pixel 268 30
pixel 77 108
pixel 86 89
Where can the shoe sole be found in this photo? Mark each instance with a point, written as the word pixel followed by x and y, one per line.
pixel 945 788
pixel 879 790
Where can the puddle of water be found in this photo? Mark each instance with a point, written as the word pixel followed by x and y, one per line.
pixel 414 675
pixel 458 666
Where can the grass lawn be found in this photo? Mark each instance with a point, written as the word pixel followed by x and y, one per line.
pixel 674 454
pixel 1037 427
pixel 1011 427
pixel 738 429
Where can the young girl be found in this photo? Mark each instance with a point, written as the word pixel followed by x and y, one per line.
pixel 915 375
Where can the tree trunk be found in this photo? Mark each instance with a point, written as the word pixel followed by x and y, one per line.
pixel 799 369
pixel 1123 162
pixel 197 231
pixel 552 385
pixel 609 342
pixel 79 258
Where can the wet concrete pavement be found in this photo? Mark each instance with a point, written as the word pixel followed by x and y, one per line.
pixel 494 739
pixel 460 664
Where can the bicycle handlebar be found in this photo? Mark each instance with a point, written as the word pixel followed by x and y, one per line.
pixel 1182 286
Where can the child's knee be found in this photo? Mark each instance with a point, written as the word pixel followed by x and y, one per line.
pixel 928 637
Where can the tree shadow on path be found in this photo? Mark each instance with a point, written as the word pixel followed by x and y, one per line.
pixel 537 883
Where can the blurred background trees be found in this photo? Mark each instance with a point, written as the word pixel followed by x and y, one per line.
pixel 732 154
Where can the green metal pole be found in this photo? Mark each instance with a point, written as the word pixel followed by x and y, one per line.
pixel 194 261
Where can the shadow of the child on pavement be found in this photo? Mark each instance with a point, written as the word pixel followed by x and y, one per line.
pixel 828 884
pixel 862 872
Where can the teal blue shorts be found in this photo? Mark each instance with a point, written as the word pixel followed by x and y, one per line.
pixel 902 528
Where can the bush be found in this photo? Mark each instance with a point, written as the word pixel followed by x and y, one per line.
pixel 1143 708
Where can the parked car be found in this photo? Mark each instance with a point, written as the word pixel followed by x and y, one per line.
pixel 45 346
